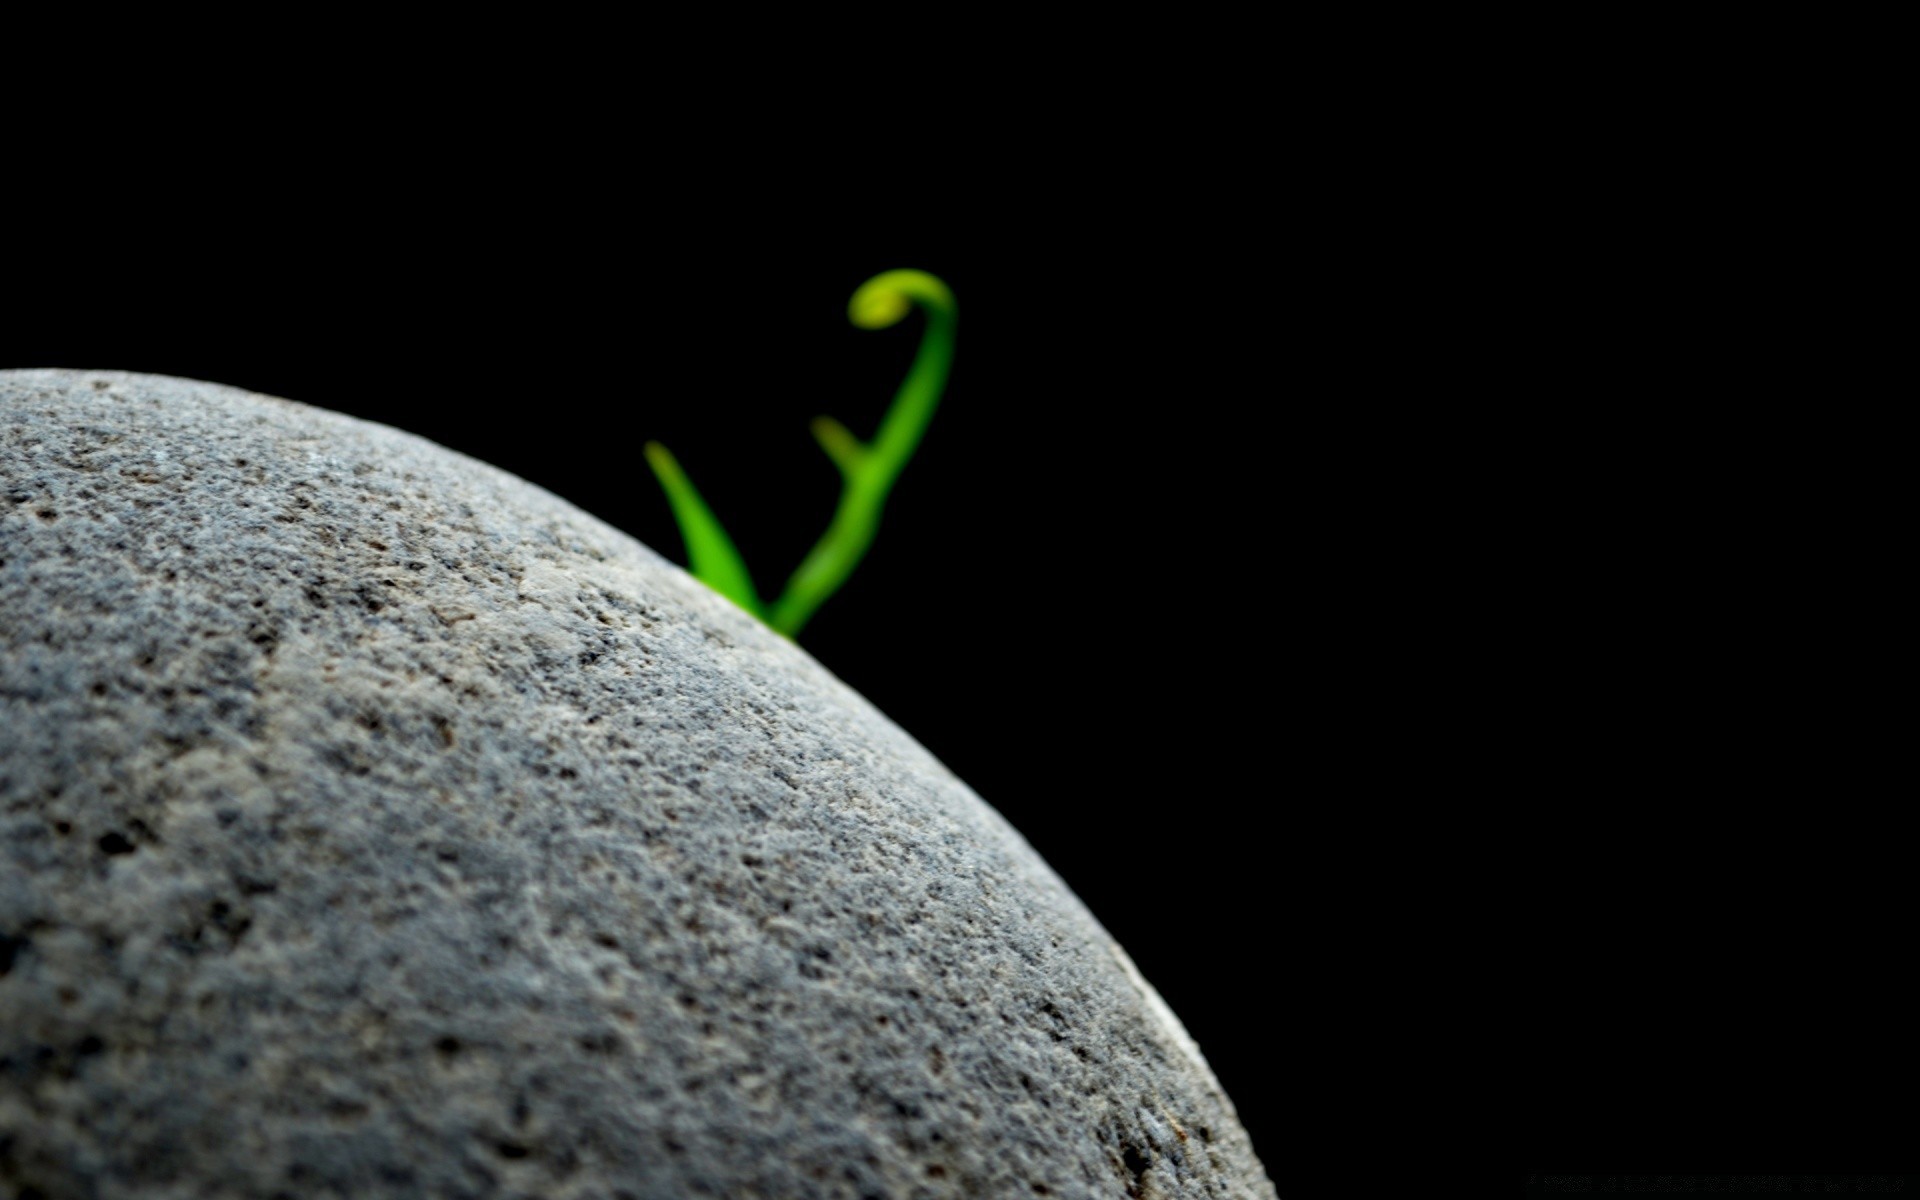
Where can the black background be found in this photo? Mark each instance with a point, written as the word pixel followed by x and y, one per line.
pixel 1411 538
pixel 1085 597
pixel 1386 596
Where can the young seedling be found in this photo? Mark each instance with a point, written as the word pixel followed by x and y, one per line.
pixel 867 469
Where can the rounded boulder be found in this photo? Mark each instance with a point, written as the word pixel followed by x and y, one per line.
pixel 375 823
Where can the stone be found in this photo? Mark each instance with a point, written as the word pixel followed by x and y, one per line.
pixel 375 823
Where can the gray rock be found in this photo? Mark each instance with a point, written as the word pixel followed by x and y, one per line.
pixel 375 823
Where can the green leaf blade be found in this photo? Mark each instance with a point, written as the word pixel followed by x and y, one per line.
pixel 711 554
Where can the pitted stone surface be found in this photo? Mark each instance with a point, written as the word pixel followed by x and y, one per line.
pixel 374 823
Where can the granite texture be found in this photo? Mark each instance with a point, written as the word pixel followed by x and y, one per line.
pixel 374 823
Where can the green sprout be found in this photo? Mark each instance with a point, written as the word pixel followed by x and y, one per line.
pixel 867 469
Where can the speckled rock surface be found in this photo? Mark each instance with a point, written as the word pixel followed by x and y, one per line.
pixel 374 823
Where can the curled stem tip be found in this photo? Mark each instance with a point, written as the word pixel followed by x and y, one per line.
pixel 886 298
pixel 867 469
